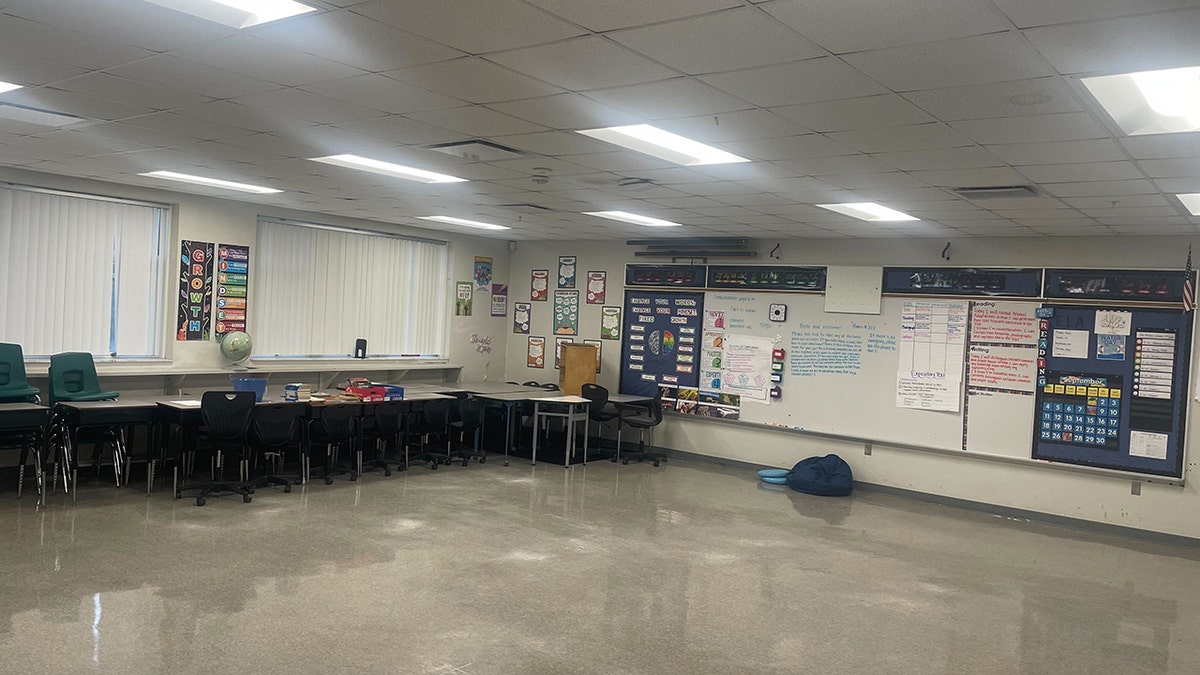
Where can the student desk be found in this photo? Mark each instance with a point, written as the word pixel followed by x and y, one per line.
pixel 510 400
pixel 576 409
pixel 27 421
pixel 623 401
pixel 112 416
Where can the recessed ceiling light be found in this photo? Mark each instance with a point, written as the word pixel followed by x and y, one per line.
pixel 8 86
pixel 1192 202
pixel 1150 102
pixel 626 217
pixel 465 223
pixel 663 144
pixel 869 211
pixel 237 13
pixel 45 118
pixel 211 182
pixel 388 169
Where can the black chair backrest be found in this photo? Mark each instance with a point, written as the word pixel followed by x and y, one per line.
pixel 597 395
pixel 389 417
pixel 337 421
pixel 437 413
pixel 226 414
pixel 656 407
pixel 471 412
pixel 275 426
pixel 530 383
pixel 550 386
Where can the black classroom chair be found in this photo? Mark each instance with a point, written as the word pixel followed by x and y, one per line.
pixel 226 416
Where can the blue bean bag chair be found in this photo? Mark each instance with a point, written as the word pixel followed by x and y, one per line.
pixel 828 476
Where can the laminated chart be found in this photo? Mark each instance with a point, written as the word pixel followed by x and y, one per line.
pixel 932 341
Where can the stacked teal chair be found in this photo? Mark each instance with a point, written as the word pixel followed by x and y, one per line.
pixel 73 378
pixel 14 388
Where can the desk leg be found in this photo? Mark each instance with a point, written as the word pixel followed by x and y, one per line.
pixel 587 430
pixel 39 473
pixel 508 428
pixel 536 429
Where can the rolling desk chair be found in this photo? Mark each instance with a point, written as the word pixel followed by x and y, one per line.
pixel 335 430
pixel 14 388
pixel 385 427
pixel 227 416
pixel 599 410
pixel 470 421
pixel 434 422
pixel 644 422
pixel 273 430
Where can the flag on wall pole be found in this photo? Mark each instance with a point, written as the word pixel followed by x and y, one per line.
pixel 1189 294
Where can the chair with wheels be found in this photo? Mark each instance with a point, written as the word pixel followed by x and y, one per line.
pixel 274 429
pixel 599 409
pixel 644 421
pixel 384 428
pixel 432 424
pixel 227 417
pixel 14 387
pixel 335 430
pixel 470 421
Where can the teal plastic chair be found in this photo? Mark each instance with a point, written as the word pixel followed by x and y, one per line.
pixel 73 378
pixel 14 388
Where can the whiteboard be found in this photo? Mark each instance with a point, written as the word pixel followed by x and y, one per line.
pixel 840 371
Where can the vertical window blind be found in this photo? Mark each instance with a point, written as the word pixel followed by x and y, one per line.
pixel 316 289
pixel 80 273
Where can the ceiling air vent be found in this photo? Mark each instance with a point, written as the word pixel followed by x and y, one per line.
pixel 998 192
pixel 477 151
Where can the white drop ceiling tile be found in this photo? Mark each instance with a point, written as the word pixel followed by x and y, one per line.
pixel 1178 185
pixel 866 181
pixel 856 25
pixel 1096 230
pixel 1147 42
pixel 974 60
pixel 740 38
pixel 1133 212
pixel 830 166
pixel 307 106
pixel 477 120
pixel 679 97
pixel 868 112
pixel 689 202
pixel 403 130
pixel 713 189
pixel 753 199
pixel 591 62
pixel 904 196
pixel 133 92
pixel 604 15
pixel 1117 201
pixel 1032 128
pixel 789 186
pixel 73 143
pixel 966 157
pixel 1162 146
pixel 471 26
pixel 1101 188
pixel 72 103
pixel 1145 229
pixel 1068 220
pixel 542 165
pixel 556 143
pixel 260 59
pixel 129 132
pixel 899 139
pixel 794 211
pixel 1039 96
pixel 676 176
pixel 355 40
pixel 789 147
pixel 132 22
pixel 1038 214
pixel 729 212
pixel 950 205
pixel 1078 173
pixel 1171 168
pixel 201 79
pixel 474 80
pixel 30 72
pixel 820 79
pixel 58 45
pixel 1001 175
pixel 186 127
pixel 566 111
pixel 620 161
pixel 1060 152
pixel 382 93
pixel 244 117
pixel 1027 13
pixel 747 171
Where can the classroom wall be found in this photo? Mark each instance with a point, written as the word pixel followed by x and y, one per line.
pixel 1101 499
pixel 232 222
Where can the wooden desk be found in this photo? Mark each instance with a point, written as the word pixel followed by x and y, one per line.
pixel 111 416
pixel 26 422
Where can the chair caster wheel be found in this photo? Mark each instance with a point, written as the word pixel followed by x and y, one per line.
pixel 328 480
pixel 466 463
pixel 624 461
pixel 482 460
pixel 433 466
pixel 200 501
pixel 353 478
pixel 287 489
pixel 656 462
pixel 178 495
pixel 613 460
pixel 387 472
pixel 246 499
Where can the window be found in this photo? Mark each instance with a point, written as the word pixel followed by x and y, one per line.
pixel 81 273
pixel 316 289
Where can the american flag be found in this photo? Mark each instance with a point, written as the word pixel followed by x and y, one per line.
pixel 1189 295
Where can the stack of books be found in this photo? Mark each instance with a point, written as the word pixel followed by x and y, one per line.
pixel 297 391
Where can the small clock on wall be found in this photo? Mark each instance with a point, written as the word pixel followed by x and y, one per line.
pixel 778 312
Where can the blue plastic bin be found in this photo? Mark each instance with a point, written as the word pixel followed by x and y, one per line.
pixel 258 385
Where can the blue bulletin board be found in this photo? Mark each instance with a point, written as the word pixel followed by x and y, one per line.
pixel 661 340
pixel 1113 387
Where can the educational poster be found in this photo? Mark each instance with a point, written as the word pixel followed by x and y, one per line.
pixel 597 283
pixel 686 399
pixel 566 271
pixel 462 298
pixel 660 340
pixel 610 323
pixel 1001 376
pixel 1110 347
pixel 558 343
pixel 712 349
pixel 195 291
pixel 522 317
pixel 932 342
pixel 566 312
pixel 746 367
pixel 233 271
pixel 539 285
pixel 536 353
pixel 599 349
pixel 483 273
pixel 499 299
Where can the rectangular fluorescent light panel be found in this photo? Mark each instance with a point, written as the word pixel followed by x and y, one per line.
pixel 626 217
pixel 211 182
pixel 464 222
pixel 237 13
pixel 45 118
pixel 388 169
pixel 8 86
pixel 1191 202
pixel 869 211
pixel 663 144
pixel 1150 102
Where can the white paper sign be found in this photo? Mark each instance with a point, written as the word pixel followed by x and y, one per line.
pixel 1109 322
pixel 1147 444
pixel 1070 344
pixel 746 368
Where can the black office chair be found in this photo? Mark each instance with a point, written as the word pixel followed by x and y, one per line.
pixel 599 409
pixel 470 421
pixel 432 423
pixel 274 429
pixel 226 416
pixel 334 430
pixel 644 421
pixel 385 429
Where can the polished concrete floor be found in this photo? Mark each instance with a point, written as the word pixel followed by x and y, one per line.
pixel 688 568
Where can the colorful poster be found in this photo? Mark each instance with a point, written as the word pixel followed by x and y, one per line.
pixel 195 291
pixel 931 353
pixel 599 349
pixel 233 273
pixel 596 285
pixel 746 367
pixel 558 343
pixel 462 298
pixel 610 323
pixel 522 312
pixel 566 312
pixel 499 299
pixel 483 273
pixel 536 353
pixel 539 284
pixel 566 271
